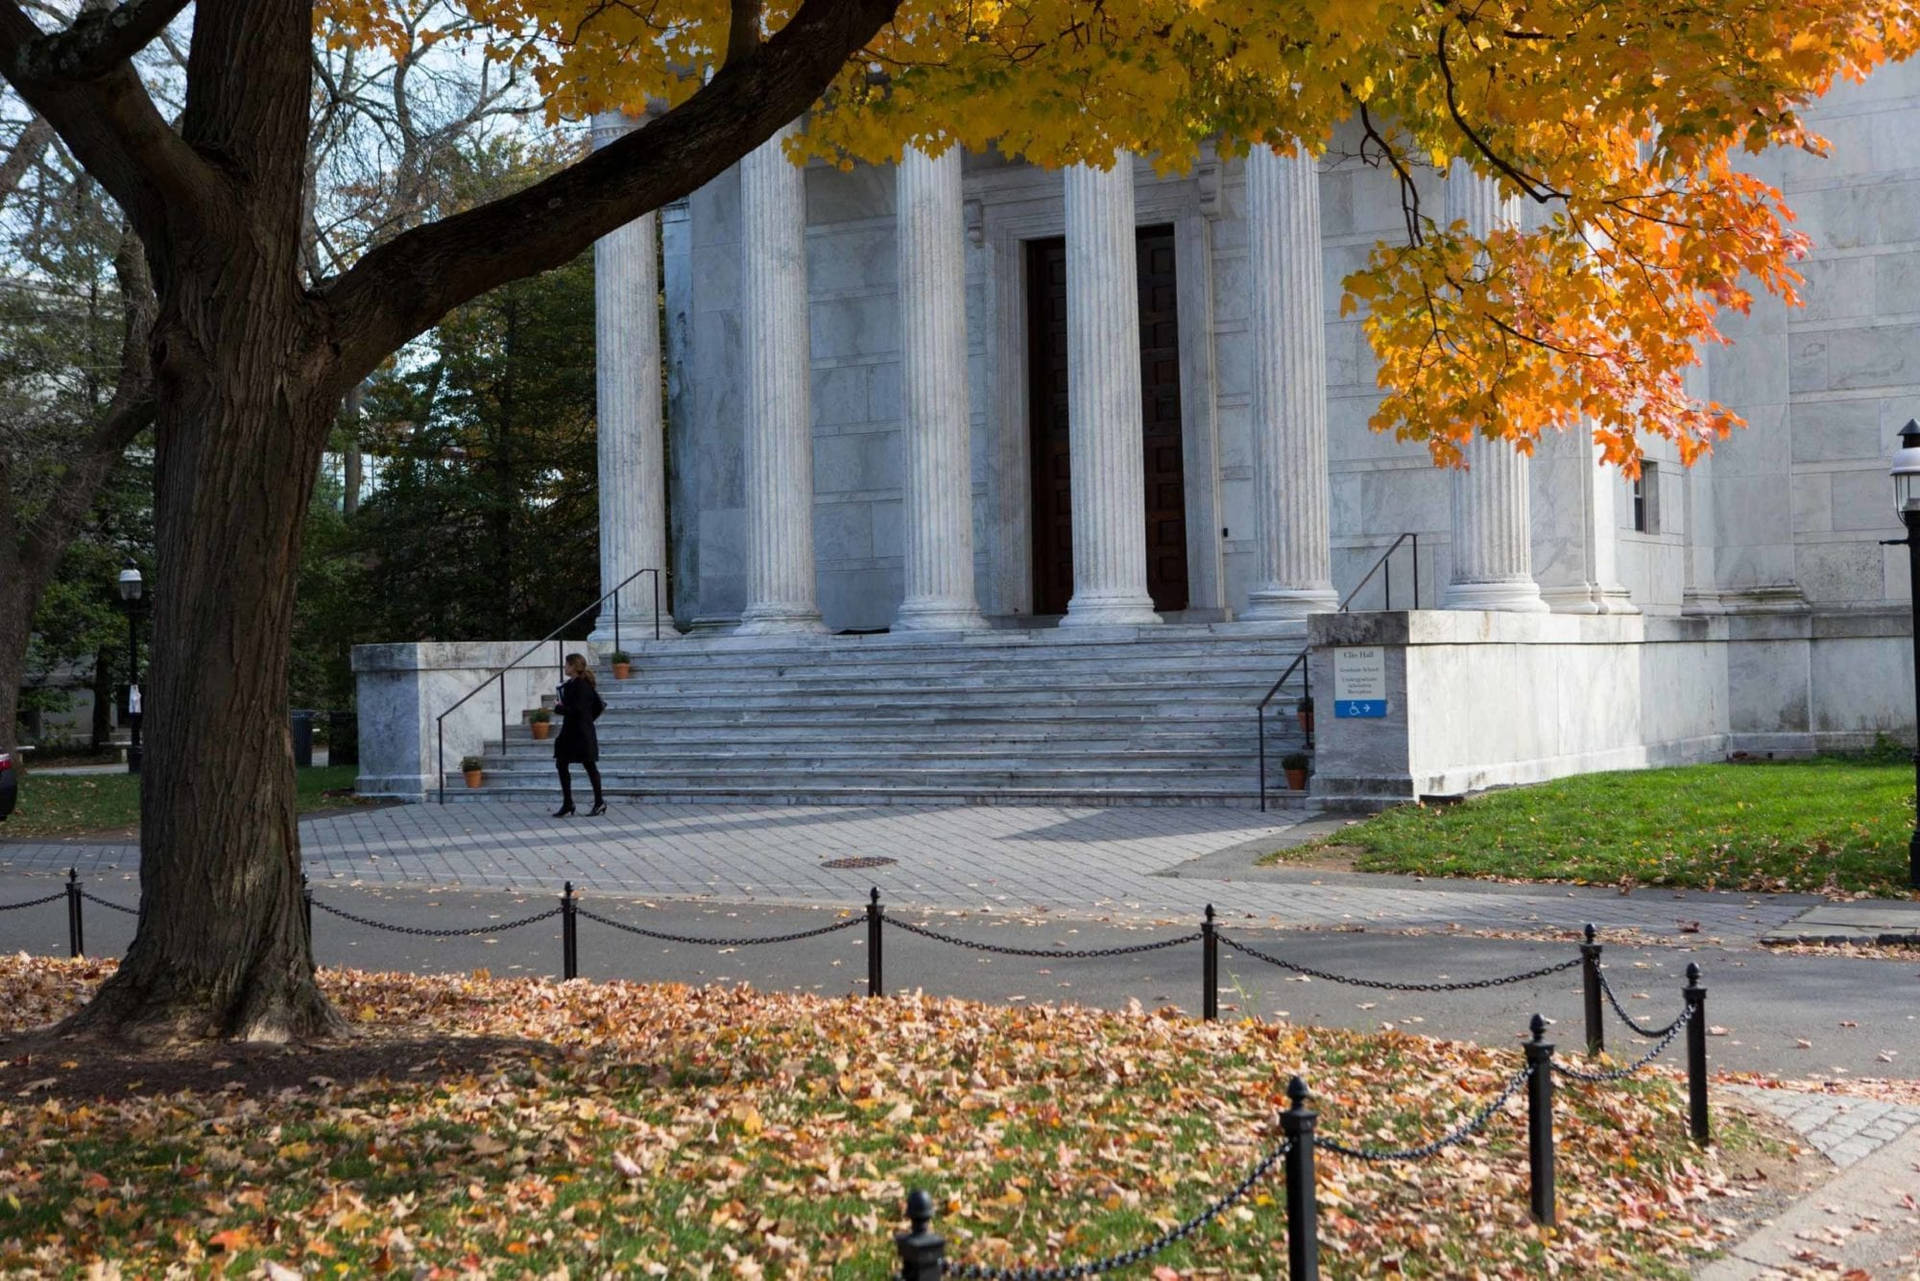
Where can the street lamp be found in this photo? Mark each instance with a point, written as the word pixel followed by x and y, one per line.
pixel 1906 500
pixel 131 587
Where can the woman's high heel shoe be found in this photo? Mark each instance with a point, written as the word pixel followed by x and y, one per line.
pixel 599 808
pixel 564 810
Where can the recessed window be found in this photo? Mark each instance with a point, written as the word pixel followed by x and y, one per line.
pixel 1646 499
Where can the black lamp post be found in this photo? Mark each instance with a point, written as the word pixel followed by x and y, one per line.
pixel 131 587
pixel 1906 499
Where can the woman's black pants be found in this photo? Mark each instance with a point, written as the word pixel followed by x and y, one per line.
pixel 566 781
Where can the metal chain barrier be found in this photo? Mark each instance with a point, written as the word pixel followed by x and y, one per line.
pixel 1114 1262
pixel 33 902
pixel 1386 986
pixel 474 932
pixel 1472 1127
pixel 1671 1035
pixel 1055 952
pixel 94 898
pixel 795 937
pixel 1621 1010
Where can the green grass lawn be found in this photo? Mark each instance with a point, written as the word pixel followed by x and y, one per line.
pixel 1830 824
pixel 87 804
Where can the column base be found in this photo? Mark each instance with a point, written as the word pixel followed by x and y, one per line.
pixel 632 633
pixel 1110 611
pixel 1513 596
pixel 1288 604
pixel 780 620
pixel 1589 598
pixel 932 615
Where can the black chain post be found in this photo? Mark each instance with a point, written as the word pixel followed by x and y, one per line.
pixel 1209 969
pixel 1696 999
pixel 1540 1121
pixel 1590 975
pixel 306 907
pixel 76 935
pixel 875 984
pixel 1303 1213
pixel 569 935
pixel 922 1252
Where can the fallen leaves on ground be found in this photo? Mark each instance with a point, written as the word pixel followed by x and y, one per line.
pixel 612 1129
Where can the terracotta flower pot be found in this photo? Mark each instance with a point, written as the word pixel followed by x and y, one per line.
pixel 540 728
pixel 473 777
pixel 621 670
pixel 1297 779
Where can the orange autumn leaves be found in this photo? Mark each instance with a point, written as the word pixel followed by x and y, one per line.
pixel 1623 125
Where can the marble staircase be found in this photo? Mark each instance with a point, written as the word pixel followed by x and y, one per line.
pixel 1161 715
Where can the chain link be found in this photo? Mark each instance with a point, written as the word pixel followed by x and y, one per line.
pixel 94 898
pixel 1620 1074
pixel 1385 986
pixel 418 932
pixel 32 902
pixel 1140 1253
pixel 1621 1010
pixel 1055 952
pixel 1445 1141
pixel 795 937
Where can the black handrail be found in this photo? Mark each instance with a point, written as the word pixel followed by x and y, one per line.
pixel 1300 659
pixel 440 721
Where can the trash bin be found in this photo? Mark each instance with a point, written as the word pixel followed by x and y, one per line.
pixel 343 738
pixel 302 737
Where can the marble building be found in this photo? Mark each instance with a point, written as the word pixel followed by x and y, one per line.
pixel 962 395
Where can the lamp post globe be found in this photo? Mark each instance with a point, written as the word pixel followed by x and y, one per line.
pixel 1906 501
pixel 132 587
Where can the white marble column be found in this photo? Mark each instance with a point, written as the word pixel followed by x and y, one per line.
pixel 1294 573
pixel 1492 533
pixel 781 594
pixel 933 330
pixel 1576 561
pixel 632 460
pixel 1106 427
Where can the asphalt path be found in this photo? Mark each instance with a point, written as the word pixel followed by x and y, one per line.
pixel 1856 1017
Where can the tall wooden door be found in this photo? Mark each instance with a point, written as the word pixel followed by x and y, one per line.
pixel 1164 515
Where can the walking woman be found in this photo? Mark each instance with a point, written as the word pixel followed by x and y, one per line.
pixel 580 705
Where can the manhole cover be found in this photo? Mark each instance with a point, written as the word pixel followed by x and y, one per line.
pixel 868 861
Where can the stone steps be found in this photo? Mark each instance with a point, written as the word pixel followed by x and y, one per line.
pixel 1038 717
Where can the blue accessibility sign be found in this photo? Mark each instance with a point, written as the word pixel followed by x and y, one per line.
pixel 1348 708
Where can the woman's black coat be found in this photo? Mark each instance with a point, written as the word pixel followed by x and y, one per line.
pixel 580 704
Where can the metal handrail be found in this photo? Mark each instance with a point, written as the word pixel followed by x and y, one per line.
pixel 440 721
pixel 1386 560
pixel 1300 659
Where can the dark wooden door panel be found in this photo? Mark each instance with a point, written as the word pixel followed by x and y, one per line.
pixel 1165 511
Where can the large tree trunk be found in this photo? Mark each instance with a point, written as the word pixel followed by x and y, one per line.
pixel 246 396
pixel 222 947
pixel 16 616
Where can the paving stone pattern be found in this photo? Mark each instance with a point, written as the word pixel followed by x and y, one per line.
pixel 1845 1129
pixel 1105 861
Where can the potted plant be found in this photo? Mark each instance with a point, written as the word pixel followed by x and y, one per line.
pixel 1295 764
pixel 622 664
pixel 1305 712
pixel 470 766
pixel 540 721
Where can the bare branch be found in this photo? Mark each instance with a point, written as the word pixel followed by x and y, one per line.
pixel 25 155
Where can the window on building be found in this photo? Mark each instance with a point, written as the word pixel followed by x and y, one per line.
pixel 1646 499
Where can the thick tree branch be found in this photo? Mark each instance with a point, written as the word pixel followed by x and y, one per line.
pixel 98 42
pixel 403 287
pixel 743 29
pixel 113 128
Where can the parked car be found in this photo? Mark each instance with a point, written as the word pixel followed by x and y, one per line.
pixel 9 785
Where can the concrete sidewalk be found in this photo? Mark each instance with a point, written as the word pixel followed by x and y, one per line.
pixel 1143 863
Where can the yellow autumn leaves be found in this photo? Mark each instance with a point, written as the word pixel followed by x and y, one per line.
pixel 1617 122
